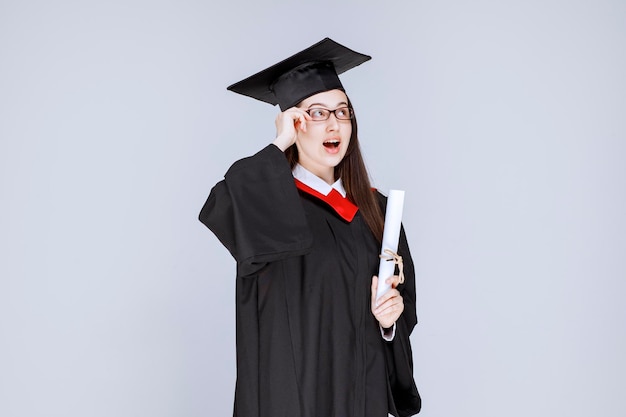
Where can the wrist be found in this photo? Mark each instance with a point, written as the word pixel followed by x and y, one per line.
pixel 388 333
pixel 282 142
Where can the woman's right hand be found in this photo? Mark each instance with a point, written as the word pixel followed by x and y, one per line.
pixel 287 125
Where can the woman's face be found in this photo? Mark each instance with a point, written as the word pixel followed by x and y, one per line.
pixel 324 143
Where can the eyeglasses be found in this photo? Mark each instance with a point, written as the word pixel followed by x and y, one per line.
pixel 319 114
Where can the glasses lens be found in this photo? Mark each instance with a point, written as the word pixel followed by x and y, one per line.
pixel 319 114
pixel 343 113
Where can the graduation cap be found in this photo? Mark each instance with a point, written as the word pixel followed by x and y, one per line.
pixel 311 71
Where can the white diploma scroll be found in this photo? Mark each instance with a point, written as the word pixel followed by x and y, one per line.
pixel 391 236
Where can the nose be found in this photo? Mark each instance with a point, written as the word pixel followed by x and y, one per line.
pixel 332 123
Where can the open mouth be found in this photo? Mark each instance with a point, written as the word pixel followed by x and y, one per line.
pixel 333 143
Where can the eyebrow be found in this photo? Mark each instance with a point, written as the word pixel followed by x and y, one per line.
pixel 342 104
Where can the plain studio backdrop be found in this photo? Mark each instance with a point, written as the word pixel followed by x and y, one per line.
pixel 504 121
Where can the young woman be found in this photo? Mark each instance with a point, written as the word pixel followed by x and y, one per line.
pixel 304 225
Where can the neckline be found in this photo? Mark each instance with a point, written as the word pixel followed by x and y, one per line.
pixel 340 204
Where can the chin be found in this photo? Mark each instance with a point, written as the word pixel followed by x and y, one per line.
pixel 333 162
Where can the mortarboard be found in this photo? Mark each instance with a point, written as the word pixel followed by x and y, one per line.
pixel 310 71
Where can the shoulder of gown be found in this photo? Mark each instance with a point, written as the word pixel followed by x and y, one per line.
pixel 256 211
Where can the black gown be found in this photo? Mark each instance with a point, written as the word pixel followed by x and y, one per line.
pixel 307 342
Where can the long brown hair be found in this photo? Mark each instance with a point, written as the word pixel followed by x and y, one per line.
pixel 355 180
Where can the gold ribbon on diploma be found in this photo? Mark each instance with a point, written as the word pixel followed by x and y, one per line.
pixel 397 259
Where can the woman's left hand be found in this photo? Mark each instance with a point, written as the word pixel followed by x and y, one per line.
pixel 388 308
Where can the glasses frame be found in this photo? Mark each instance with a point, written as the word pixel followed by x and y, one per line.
pixel 350 110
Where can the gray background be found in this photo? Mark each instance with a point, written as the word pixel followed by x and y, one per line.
pixel 504 121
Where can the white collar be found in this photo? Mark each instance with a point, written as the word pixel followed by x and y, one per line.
pixel 307 177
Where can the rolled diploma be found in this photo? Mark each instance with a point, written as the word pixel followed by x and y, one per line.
pixel 391 236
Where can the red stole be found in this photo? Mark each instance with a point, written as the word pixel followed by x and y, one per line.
pixel 344 208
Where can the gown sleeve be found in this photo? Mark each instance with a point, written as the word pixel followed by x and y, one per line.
pixel 406 398
pixel 256 212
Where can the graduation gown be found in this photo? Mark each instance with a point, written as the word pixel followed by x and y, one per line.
pixel 307 342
